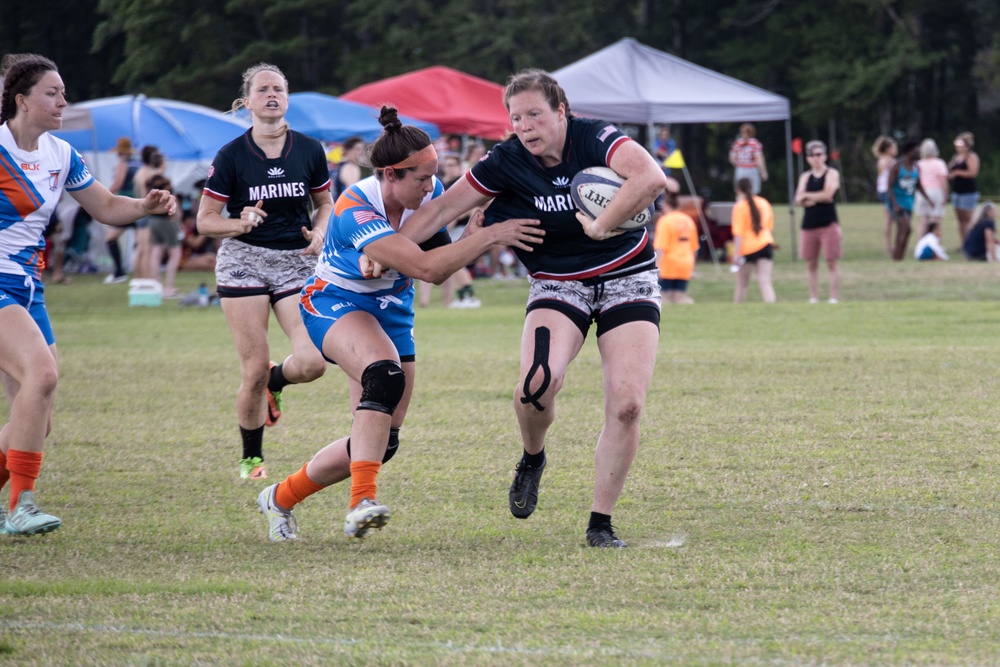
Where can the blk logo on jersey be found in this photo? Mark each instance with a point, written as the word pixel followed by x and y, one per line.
pixel 275 172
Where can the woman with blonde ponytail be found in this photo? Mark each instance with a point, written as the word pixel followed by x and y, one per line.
pixel 275 187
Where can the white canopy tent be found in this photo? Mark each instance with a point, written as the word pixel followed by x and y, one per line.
pixel 629 82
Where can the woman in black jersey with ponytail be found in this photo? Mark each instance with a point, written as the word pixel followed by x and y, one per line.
pixel 274 184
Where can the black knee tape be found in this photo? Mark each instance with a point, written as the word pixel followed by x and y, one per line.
pixel 540 364
pixel 390 448
pixel 382 386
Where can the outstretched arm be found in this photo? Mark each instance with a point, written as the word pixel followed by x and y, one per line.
pixel 118 211
pixel 431 217
pixel 435 266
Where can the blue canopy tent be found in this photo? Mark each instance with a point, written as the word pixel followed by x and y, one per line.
pixel 182 131
pixel 332 119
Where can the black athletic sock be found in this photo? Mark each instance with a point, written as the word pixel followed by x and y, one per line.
pixel 253 442
pixel 277 381
pixel 598 520
pixel 116 257
pixel 534 460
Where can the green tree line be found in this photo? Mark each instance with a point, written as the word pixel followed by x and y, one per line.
pixel 852 69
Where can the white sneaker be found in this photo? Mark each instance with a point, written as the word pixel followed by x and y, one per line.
pixel 27 519
pixel 457 303
pixel 366 515
pixel 112 279
pixel 281 524
pixel 812 300
pixel 832 301
pixel 471 302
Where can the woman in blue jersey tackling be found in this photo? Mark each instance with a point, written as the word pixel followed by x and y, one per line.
pixel 35 169
pixel 365 325
pixel 585 272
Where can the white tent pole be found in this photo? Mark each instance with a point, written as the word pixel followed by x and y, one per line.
pixel 701 218
pixel 791 184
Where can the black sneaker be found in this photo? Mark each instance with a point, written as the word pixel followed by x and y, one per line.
pixel 524 489
pixel 604 537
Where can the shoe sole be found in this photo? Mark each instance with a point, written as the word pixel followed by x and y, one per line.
pixel 41 530
pixel 373 522
pixel 273 413
pixel 272 417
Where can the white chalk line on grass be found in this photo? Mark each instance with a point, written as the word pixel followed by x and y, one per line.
pixel 497 648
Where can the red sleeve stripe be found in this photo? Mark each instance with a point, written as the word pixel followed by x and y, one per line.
pixel 480 188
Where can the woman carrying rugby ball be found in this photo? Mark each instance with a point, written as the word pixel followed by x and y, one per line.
pixel 587 271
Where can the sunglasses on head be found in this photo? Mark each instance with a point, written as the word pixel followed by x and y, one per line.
pixel 817 154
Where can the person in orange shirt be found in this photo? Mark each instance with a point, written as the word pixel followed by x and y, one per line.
pixel 753 242
pixel 676 244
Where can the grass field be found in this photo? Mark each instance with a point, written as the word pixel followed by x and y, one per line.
pixel 817 485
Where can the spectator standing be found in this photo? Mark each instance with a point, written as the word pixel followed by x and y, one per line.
pixel 164 236
pixel 747 156
pixel 123 184
pixel 458 290
pixel 885 150
pixel 816 191
pixel 753 242
pixel 904 183
pixel 963 171
pixel 929 204
pixel 676 244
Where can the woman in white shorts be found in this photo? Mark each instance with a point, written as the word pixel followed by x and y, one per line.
pixel 934 179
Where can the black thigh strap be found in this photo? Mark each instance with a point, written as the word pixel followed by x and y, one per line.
pixel 540 363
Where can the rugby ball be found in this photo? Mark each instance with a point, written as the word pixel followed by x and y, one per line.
pixel 593 188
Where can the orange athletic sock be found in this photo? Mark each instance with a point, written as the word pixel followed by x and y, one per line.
pixel 4 475
pixel 24 468
pixel 296 488
pixel 363 474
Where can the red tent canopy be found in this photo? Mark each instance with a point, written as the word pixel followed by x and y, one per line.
pixel 456 102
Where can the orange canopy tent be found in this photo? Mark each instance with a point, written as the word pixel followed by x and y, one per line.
pixel 456 102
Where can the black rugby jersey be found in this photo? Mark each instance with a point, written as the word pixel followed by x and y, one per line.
pixel 524 188
pixel 241 176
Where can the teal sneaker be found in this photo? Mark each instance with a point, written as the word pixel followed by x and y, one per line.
pixel 27 519
pixel 365 516
pixel 252 467
pixel 281 525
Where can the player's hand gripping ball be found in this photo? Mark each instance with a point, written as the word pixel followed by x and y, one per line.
pixel 592 189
